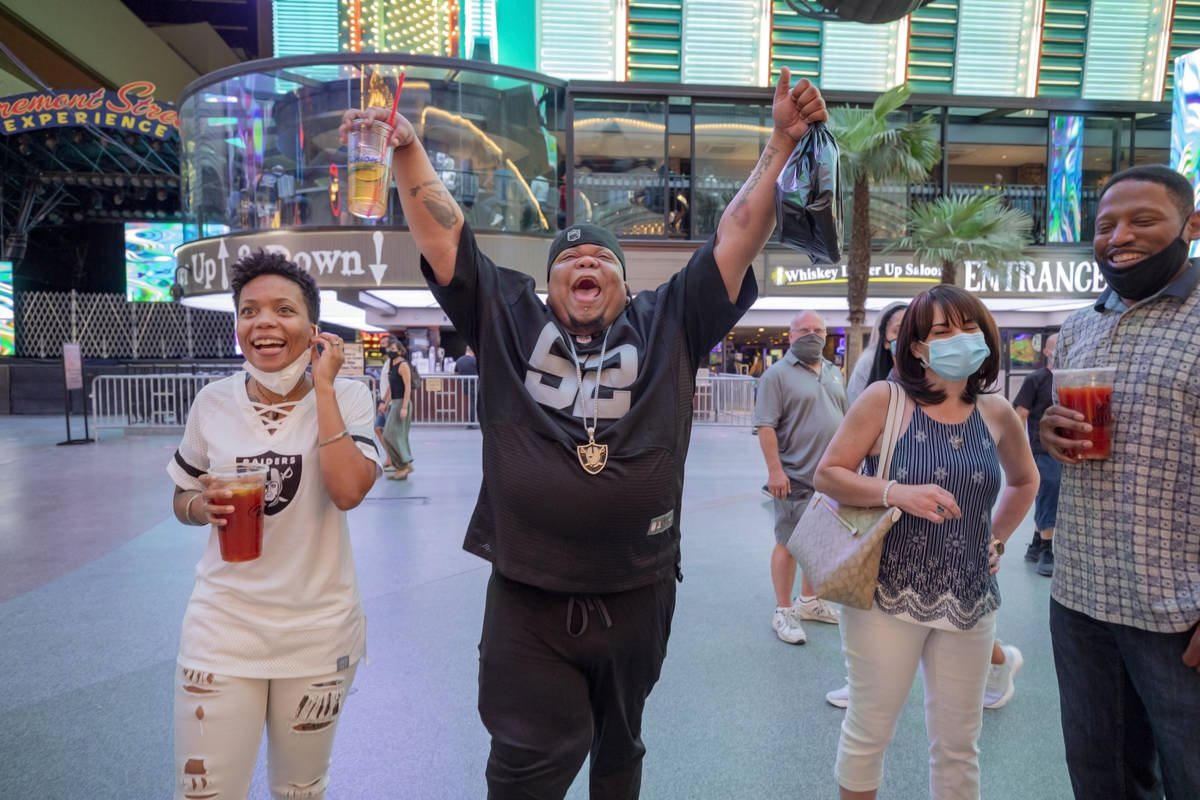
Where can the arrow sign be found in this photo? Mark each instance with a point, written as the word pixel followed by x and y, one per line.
pixel 378 269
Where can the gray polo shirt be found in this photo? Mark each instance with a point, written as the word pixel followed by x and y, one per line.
pixel 805 409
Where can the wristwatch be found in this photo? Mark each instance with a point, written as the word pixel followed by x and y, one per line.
pixel 999 545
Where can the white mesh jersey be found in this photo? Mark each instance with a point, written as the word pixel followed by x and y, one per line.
pixel 295 610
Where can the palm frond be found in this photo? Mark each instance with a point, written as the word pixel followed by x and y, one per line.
pixel 973 227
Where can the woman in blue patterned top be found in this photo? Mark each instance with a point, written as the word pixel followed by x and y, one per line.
pixel 936 599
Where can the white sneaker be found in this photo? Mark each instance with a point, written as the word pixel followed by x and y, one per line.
pixel 1000 685
pixel 839 698
pixel 787 627
pixel 815 609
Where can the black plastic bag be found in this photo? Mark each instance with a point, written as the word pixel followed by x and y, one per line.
pixel 809 197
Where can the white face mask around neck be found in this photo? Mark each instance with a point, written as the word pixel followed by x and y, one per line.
pixel 284 380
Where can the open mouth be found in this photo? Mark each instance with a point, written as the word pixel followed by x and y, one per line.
pixel 1124 259
pixel 268 345
pixel 586 289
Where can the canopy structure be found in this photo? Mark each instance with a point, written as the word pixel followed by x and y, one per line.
pixel 868 11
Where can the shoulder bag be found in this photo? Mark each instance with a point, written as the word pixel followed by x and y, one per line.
pixel 839 546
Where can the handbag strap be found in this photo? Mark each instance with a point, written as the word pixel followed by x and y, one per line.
pixel 891 429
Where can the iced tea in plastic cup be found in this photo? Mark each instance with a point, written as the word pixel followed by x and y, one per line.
pixel 1088 391
pixel 242 534
pixel 368 145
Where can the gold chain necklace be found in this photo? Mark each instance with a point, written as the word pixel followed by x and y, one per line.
pixel 592 457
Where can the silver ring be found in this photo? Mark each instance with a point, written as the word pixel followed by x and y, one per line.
pixel 941 510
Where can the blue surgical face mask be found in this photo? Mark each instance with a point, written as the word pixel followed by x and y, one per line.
pixel 957 357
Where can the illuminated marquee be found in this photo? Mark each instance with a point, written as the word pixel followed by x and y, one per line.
pixel 130 108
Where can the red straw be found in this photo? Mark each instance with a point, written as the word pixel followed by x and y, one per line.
pixel 396 101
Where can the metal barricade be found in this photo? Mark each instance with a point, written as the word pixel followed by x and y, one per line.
pixel 163 400
pixel 446 400
pixel 145 401
pixel 156 400
pixel 724 400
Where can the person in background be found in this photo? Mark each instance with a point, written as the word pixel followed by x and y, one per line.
pixel 397 403
pixel 1034 397
pixel 1125 598
pixel 756 366
pixel 272 642
pixel 801 402
pixel 467 365
pixel 877 361
pixel 936 596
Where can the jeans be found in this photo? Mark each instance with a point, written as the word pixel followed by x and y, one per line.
pixel 882 656
pixel 1130 709
pixel 219 723
pixel 1045 505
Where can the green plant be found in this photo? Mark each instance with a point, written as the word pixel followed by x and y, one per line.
pixel 872 151
pixel 976 227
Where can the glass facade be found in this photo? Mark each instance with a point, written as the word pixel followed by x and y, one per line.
pixel 262 150
pixel 524 153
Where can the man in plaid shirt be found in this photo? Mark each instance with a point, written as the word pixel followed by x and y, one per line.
pixel 1125 600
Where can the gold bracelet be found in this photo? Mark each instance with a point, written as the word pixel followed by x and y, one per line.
pixel 187 509
pixel 332 439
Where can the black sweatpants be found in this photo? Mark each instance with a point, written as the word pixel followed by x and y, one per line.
pixel 562 676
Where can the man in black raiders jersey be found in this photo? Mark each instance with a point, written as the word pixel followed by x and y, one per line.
pixel 585 408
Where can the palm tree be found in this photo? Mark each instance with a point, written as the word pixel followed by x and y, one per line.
pixel 977 227
pixel 874 152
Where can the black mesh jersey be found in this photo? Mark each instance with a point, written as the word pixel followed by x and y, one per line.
pixel 540 518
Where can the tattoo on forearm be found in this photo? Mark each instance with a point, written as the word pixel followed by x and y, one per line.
pixel 442 208
pixel 739 203
pixel 414 190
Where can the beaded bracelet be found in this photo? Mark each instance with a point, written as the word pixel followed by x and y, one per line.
pixel 890 484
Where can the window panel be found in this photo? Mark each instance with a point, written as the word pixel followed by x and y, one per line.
pixel 862 57
pixel 1122 49
pixel 721 41
pixel 577 39
pixel 994 51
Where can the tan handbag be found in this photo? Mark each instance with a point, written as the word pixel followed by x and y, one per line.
pixel 839 546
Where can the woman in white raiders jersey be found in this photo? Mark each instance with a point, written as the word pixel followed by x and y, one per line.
pixel 585 408
pixel 273 642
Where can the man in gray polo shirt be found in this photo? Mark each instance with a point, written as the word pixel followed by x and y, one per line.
pixel 801 402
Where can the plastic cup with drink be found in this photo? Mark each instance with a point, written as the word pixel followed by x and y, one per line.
pixel 370 150
pixel 1088 391
pixel 369 144
pixel 242 534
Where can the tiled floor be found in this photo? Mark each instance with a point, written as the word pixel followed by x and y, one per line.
pixel 95 573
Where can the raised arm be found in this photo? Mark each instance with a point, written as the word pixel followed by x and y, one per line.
pixel 749 219
pixel 430 211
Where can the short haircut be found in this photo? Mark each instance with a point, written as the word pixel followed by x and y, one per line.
pixel 263 263
pixel 958 307
pixel 1178 189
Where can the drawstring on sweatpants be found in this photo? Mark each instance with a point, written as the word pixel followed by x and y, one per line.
pixel 585 603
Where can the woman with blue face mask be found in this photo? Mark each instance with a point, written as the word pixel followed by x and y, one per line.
pixel 936 598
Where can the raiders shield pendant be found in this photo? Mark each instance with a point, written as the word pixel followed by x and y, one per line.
pixel 592 457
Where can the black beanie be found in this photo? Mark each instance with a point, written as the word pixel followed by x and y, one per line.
pixel 585 234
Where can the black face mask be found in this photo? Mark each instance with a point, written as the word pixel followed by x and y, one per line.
pixel 1149 275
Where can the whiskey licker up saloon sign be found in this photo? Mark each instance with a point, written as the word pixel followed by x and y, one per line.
pixel 130 108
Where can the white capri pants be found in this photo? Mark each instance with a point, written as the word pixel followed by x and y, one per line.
pixel 219 723
pixel 882 656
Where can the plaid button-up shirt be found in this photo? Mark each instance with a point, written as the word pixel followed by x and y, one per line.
pixel 1127 540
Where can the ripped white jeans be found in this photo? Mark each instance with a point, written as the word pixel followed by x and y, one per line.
pixel 219 723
